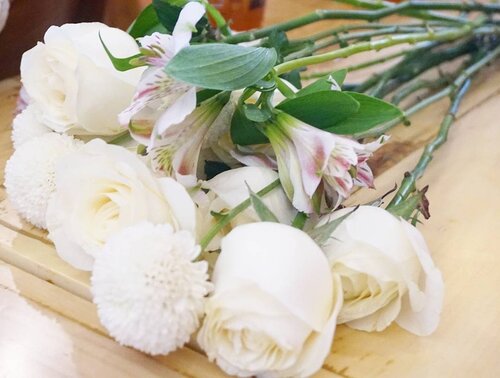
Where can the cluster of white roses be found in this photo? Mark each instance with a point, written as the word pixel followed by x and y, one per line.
pixel 274 297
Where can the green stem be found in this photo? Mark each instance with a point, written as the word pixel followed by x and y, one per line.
pixel 459 81
pixel 360 66
pixel 367 26
pixel 218 18
pixel 415 65
pixel 409 181
pixel 447 35
pixel 419 84
pixel 300 220
pixel 284 89
pixel 367 15
pixel 207 238
pixel 121 138
pixel 349 37
pixel 421 14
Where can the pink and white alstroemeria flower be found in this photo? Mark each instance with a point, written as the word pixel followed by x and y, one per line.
pixel 308 157
pixel 160 100
pixel 177 153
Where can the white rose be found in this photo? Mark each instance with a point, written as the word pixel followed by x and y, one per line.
pixel 102 189
pixel 275 304
pixel 228 189
pixel 387 272
pixel 73 83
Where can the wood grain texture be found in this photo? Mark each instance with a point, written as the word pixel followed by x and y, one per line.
pixel 465 204
pixel 462 233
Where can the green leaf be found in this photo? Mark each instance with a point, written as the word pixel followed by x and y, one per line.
pixel 146 23
pixel 321 109
pixel 221 66
pixel 264 213
pixel 255 114
pixel 300 220
pixel 324 83
pixel 293 77
pixel 168 12
pixel 245 132
pixel 372 112
pixel 213 168
pixel 120 64
pixel 322 233
pixel 205 94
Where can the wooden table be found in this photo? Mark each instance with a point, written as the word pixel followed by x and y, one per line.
pixel 49 327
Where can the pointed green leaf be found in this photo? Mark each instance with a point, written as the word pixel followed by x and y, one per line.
pixel 221 66
pixel 255 114
pixel 120 64
pixel 372 112
pixel 322 233
pixel 324 83
pixel 321 109
pixel 146 23
pixel 245 132
pixel 264 213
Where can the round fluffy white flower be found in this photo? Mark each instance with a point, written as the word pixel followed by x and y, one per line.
pixel 26 126
pixel 103 188
pixel 72 81
pixel 228 189
pixel 148 290
pixel 274 308
pixel 387 272
pixel 30 171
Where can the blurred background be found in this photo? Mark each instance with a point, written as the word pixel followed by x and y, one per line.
pixel 28 20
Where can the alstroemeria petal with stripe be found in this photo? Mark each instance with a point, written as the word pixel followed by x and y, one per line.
pixel 160 100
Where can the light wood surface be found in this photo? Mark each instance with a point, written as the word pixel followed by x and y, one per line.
pixel 49 325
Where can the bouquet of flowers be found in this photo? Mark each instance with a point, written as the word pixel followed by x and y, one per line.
pixel 201 174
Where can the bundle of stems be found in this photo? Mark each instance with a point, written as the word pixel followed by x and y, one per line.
pixel 430 35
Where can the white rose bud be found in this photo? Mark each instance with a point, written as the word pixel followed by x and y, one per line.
pixel 387 272
pixel 275 303
pixel 72 82
pixel 102 189
pixel 228 189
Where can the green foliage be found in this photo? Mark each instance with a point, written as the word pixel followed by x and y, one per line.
pixel 120 64
pixel 321 234
pixel 146 23
pixel 372 112
pixel 323 109
pixel 244 131
pixel 324 83
pixel 221 66
pixel 264 213
pixel 213 168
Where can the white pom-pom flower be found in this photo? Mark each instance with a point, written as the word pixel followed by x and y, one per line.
pixel 149 291
pixel 26 127
pixel 29 174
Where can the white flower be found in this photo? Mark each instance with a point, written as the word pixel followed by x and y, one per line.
pixel 161 101
pixel 30 171
pixel 387 272
pixel 274 306
pixel 308 156
pixel 72 82
pixel 177 152
pixel 26 126
pixel 101 189
pixel 228 189
pixel 148 290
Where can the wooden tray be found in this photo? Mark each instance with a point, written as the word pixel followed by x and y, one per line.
pixel 462 233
